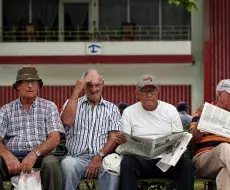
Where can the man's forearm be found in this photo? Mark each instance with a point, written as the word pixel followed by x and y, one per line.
pixel 50 144
pixel 3 150
pixel 111 143
pixel 70 110
pixel 197 135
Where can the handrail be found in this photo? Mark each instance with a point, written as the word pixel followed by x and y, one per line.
pixel 139 33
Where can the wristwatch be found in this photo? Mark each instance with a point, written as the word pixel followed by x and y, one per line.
pixel 38 153
pixel 101 154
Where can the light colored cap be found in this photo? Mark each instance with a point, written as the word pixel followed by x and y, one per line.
pixel 223 85
pixel 147 80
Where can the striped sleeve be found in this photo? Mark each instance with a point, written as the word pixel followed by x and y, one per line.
pixel 115 124
pixel 63 107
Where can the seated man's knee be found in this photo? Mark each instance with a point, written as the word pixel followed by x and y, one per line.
pixel 224 152
pixel 128 162
pixel 187 164
pixel 66 164
pixel 224 147
pixel 50 162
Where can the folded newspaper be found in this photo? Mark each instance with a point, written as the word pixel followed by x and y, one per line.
pixel 214 120
pixel 170 148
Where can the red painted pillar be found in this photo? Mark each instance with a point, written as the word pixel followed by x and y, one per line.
pixel 207 52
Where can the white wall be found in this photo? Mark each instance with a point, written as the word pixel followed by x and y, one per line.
pixel 126 74
pixel 108 48
pixel 121 73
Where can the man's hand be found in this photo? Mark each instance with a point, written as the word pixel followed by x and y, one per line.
pixel 12 163
pixel 200 109
pixel 93 168
pixel 28 162
pixel 120 138
pixel 79 86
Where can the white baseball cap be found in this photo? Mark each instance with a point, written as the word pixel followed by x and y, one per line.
pixel 111 163
pixel 147 80
pixel 223 85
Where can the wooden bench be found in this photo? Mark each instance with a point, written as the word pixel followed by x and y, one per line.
pixel 154 184
pixel 143 184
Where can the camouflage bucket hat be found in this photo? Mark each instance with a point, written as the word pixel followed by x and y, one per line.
pixel 27 73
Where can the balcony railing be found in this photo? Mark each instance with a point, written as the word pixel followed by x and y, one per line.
pixel 137 33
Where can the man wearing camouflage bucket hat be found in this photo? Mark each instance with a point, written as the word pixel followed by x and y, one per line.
pixel 30 126
pixel 27 74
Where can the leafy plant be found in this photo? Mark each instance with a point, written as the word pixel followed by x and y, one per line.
pixel 188 4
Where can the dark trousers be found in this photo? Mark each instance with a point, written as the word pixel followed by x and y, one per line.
pixel 50 172
pixel 133 168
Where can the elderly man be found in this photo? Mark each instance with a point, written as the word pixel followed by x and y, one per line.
pixel 152 118
pixel 186 119
pixel 122 106
pixel 31 126
pixel 212 157
pixel 90 122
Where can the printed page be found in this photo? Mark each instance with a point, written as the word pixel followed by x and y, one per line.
pixel 172 156
pixel 148 148
pixel 163 144
pixel 214 120
pixel 136 146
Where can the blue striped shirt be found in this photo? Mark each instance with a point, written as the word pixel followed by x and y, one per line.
pixel 91 126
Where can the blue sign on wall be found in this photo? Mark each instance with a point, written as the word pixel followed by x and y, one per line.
pixel 94 48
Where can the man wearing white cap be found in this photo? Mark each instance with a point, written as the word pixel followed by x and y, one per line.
pixel 152 118
pixel 212 157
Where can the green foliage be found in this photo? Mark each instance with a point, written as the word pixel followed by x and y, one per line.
pixel 188 4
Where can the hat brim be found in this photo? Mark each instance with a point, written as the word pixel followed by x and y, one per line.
pixel 146 85
pixel 16 83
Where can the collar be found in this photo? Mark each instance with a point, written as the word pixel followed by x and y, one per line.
pixel 34 104
pixel 102 101
pixel 182 112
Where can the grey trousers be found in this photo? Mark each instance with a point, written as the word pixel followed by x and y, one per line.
pixel 50 172
pixel 215 163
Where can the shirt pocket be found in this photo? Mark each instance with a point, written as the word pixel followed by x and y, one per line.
pixel 16 128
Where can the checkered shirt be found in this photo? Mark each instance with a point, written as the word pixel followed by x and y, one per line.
pixel 24 131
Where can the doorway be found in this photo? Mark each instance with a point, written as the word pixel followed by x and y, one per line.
pixel 76 21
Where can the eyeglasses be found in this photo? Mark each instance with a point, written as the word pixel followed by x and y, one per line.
pixel 146 91
pixel 90 85
pixel 27 82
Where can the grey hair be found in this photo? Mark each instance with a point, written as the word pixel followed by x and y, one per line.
pixel 84 75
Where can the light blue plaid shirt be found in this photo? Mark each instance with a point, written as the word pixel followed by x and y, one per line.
pixel 24 131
